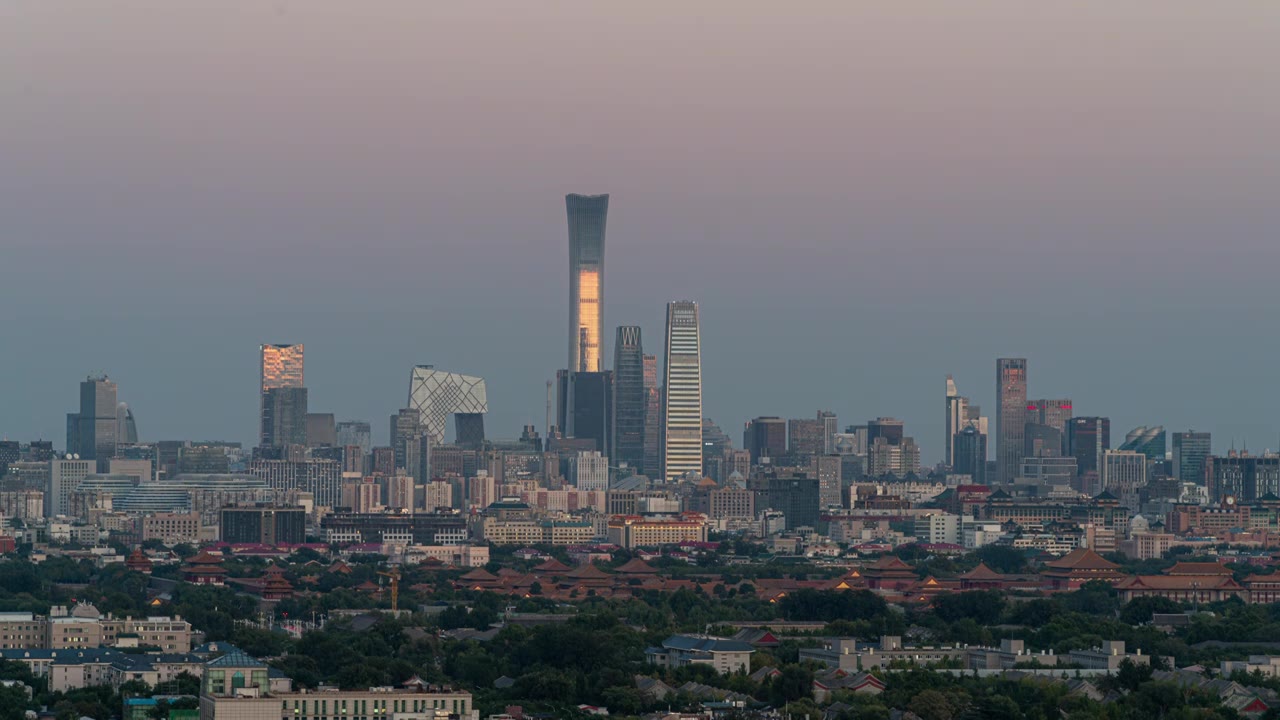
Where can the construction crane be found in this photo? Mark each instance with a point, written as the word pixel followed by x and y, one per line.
pixel 395 588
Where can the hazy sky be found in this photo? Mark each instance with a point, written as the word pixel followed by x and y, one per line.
pixel 862 196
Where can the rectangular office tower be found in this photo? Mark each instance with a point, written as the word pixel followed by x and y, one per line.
pixel 92 433
pixel 587 215
pixel 585 407
pixel 682 423
pixel 628 399
pixel 1189 452
pixel 280 367
pixel 1011 416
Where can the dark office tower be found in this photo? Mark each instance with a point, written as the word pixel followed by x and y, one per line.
pixel 587 215
pixel 1149 441
pixel 1243 477
pixel 1042 441
pixel 321 430
pixel 765 437
pixel 1189 451
pixel 10 452
pixel 628 399
pixel 585 410
pixel 40 451
pixel 971 454
pixel 285 417
pixel 891 429
pixel 960 415
pixel 280 366
pixel 806 437
pixel 1011 416
pixel 682 416
pixel 94 434
pixel 1087 439
pixel 406 426
pixel 652 417
pixel 126 427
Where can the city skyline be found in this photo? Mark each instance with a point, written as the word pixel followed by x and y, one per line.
pixel 952 209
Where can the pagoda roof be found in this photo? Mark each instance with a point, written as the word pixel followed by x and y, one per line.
pixel 636 566
pixel 1104 495
pixel 1082 559
pixel 205 558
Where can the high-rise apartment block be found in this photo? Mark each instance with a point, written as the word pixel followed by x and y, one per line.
pixel 280 366
pixel 629 401
pixel 1011 416
pixel 682 426
pixel 65 475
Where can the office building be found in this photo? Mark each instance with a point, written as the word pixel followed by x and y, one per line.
pixel 1124 475
pixel 1042 441
pixel 92 432
pixel 828 470
pixel 437 394
pixel 805 437
pixel 765 437
pixel 682 424
pixel 263 524
pixel 355 432
pixel 652 417
pixel 1190 449
pixel 1149 441
pixel 1011 416
pixel 284 417
pixel 796 495
pixel 830 427
pixel 629 401
pixel 1087 439
pixel 970 452
pixel 891 429
pixel 1053 413
pixel 65 476
pixel 1240 478
pixel 585 408
pixel 897 459
pixel 961 414
pixel 406 428
pixel 587 217
pixel 126 426
pixel 321 478
pixel 589 470
pixel 280 366
pixel 321 430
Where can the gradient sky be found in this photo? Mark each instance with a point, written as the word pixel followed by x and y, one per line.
pixel 862 196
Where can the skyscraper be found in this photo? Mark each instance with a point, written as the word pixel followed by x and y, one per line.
pixel 1149 441
pixel 1087 439
pixel 652 417
pixel 765 437
pixel 830 426
pixel 1190 449
pixel 126 427
pixel 682 426
pixel 1011 414
pixel 355 432
pixel 92 433
pixel 587 216
pixel 437 394
pixel 280 366
pixel 284 416
pixel 960 415
pixel 628 399
pixel 971 455
pixel 585 407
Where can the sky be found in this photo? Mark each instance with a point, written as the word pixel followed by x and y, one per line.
pixel 861 196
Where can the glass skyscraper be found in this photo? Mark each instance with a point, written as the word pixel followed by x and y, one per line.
pixel 682 426
pixel 587 215
pixel 628 399
pixel 1011 416
pixel 280 367
pixel 1189 452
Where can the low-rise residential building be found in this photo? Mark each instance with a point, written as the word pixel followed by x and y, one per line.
pixel 724 654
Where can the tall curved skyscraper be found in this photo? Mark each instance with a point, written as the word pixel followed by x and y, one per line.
pixel 587 214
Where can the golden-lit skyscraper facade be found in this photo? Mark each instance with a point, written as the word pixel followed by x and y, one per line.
pixel 281 367
pixel 587 215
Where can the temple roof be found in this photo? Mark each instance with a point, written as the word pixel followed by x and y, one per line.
pixel 982 572
pixel 1197 568
pixel 636 566
pixel 1082 559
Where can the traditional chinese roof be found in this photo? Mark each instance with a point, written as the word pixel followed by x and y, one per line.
pixel 1082 559
pixel 586 571
pixel 1197 568
pixel 553 566
pixel 982 573
pixel 1178 582
pixel 480 575
pixel 636 566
